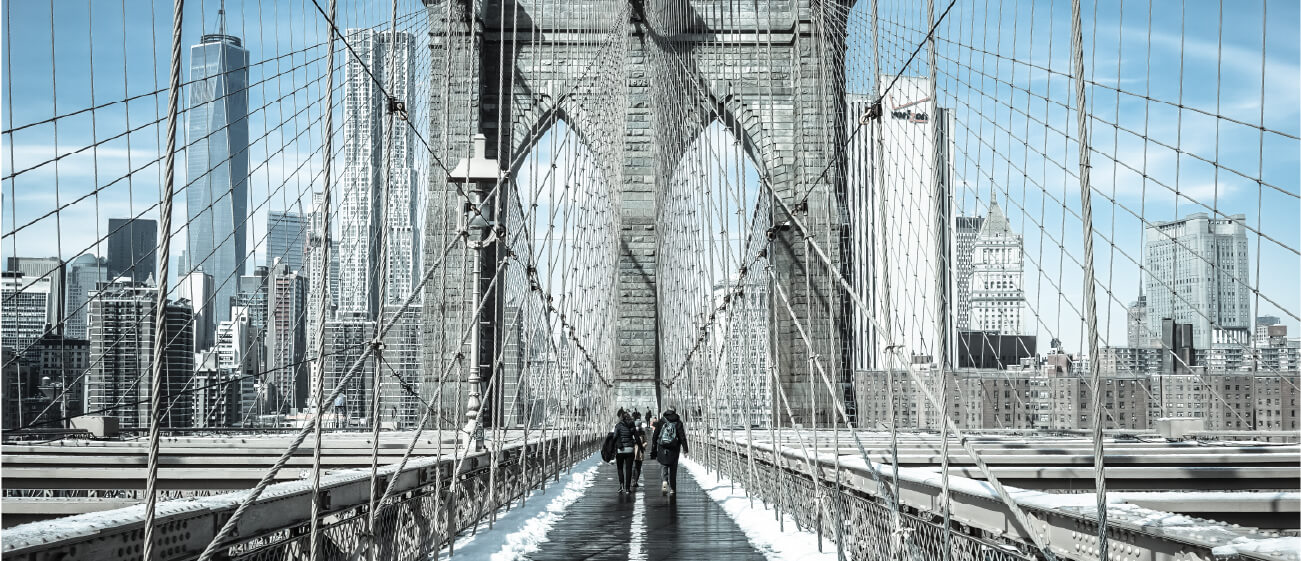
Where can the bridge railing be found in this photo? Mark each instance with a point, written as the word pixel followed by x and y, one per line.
pixel 820 493
pixel 433 500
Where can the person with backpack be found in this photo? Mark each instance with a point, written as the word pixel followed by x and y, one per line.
pixel 670 438
pixel 628 438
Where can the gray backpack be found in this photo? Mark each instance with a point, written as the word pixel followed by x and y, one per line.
pixel 669 435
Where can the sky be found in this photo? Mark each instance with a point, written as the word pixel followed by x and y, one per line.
pixel 1003 71
pixel 108 172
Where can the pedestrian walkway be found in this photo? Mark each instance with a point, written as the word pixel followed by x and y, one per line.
pixel 607 525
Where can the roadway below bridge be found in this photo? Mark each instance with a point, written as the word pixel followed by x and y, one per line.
pixel 1065 464
pixel 1240 482
pixel 67 477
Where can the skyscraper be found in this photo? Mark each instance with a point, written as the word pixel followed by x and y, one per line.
pixel 342 352
pixel 318 277
pixel 286 238
pixel 214 396
pixel 118 384
pixel 743 390
pixel 1136 334
pixel 61 362
pixel 371 165
pixel 1197 272
pixel 132 247
pixel 286 336
pixel 965 230
pixel 903 224
pixel 253 299
pixel 239 360
pixel 997 260
pixel 25 303
pixel 403 352
pixel 44 270
pixel 84 275
pixel 196 286
pixel 217 163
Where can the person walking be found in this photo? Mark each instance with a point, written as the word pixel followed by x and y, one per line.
pixel 669 440
pixel 640 457
pixel 627 438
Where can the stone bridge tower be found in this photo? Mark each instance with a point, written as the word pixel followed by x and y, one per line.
pixel 638 88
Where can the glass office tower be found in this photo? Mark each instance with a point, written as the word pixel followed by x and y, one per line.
pixel 217 165
pixel 287 238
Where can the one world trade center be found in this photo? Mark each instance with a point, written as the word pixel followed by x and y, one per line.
pixel 217 165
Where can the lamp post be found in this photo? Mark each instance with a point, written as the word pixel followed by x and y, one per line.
pixel 479 176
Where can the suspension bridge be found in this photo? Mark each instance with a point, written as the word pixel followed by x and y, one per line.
pixel 323 279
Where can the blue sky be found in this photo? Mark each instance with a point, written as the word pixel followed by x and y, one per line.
pixel 1003 71
pixel 115 174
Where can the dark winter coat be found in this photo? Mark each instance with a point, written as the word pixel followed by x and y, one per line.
pixel 627 435
pixel 668 455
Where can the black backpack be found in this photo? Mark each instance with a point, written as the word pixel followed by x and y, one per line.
pixel 608 447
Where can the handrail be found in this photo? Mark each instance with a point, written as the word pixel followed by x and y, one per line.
pixel 185 526
pixel 1067 521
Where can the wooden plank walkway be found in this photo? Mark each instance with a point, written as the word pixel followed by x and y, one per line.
pixel 599 526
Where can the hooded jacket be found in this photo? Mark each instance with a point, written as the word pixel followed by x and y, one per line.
pixel 668 455
pixel 627 435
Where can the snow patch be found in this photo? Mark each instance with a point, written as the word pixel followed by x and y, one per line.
pixel 759 524
pixel 637 546
pixel 519 532
pixel 1278 548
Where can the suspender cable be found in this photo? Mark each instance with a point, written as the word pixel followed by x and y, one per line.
pixel 160 369
pixel 323 237
pixel 1090 304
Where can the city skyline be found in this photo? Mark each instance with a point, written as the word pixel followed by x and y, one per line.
pixel 357 206
pixel 1233 197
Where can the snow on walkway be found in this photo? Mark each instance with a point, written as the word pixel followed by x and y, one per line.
pixel 637 546
pixel 519 531
pixel 758 523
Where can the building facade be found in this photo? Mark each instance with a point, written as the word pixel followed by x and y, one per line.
pixel 997 264
pixel 401 385
pixel 239 359
pixel 132 249
pixel 61 363
pixel 287 238
pixel 45 271
pixel 965 231
pixel 214 394
pixel 352 405
pixel 26 313
pixel 1197 272
pixel 320 277
pixel 196 286
pixel 375 157
pixel 254 301
pixel 743 385
pixel 122 321
pixel 1050 398
pixel 286 336
pixel 217 164
pixel 1136 327
pixel 84 275
pixel 900 235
